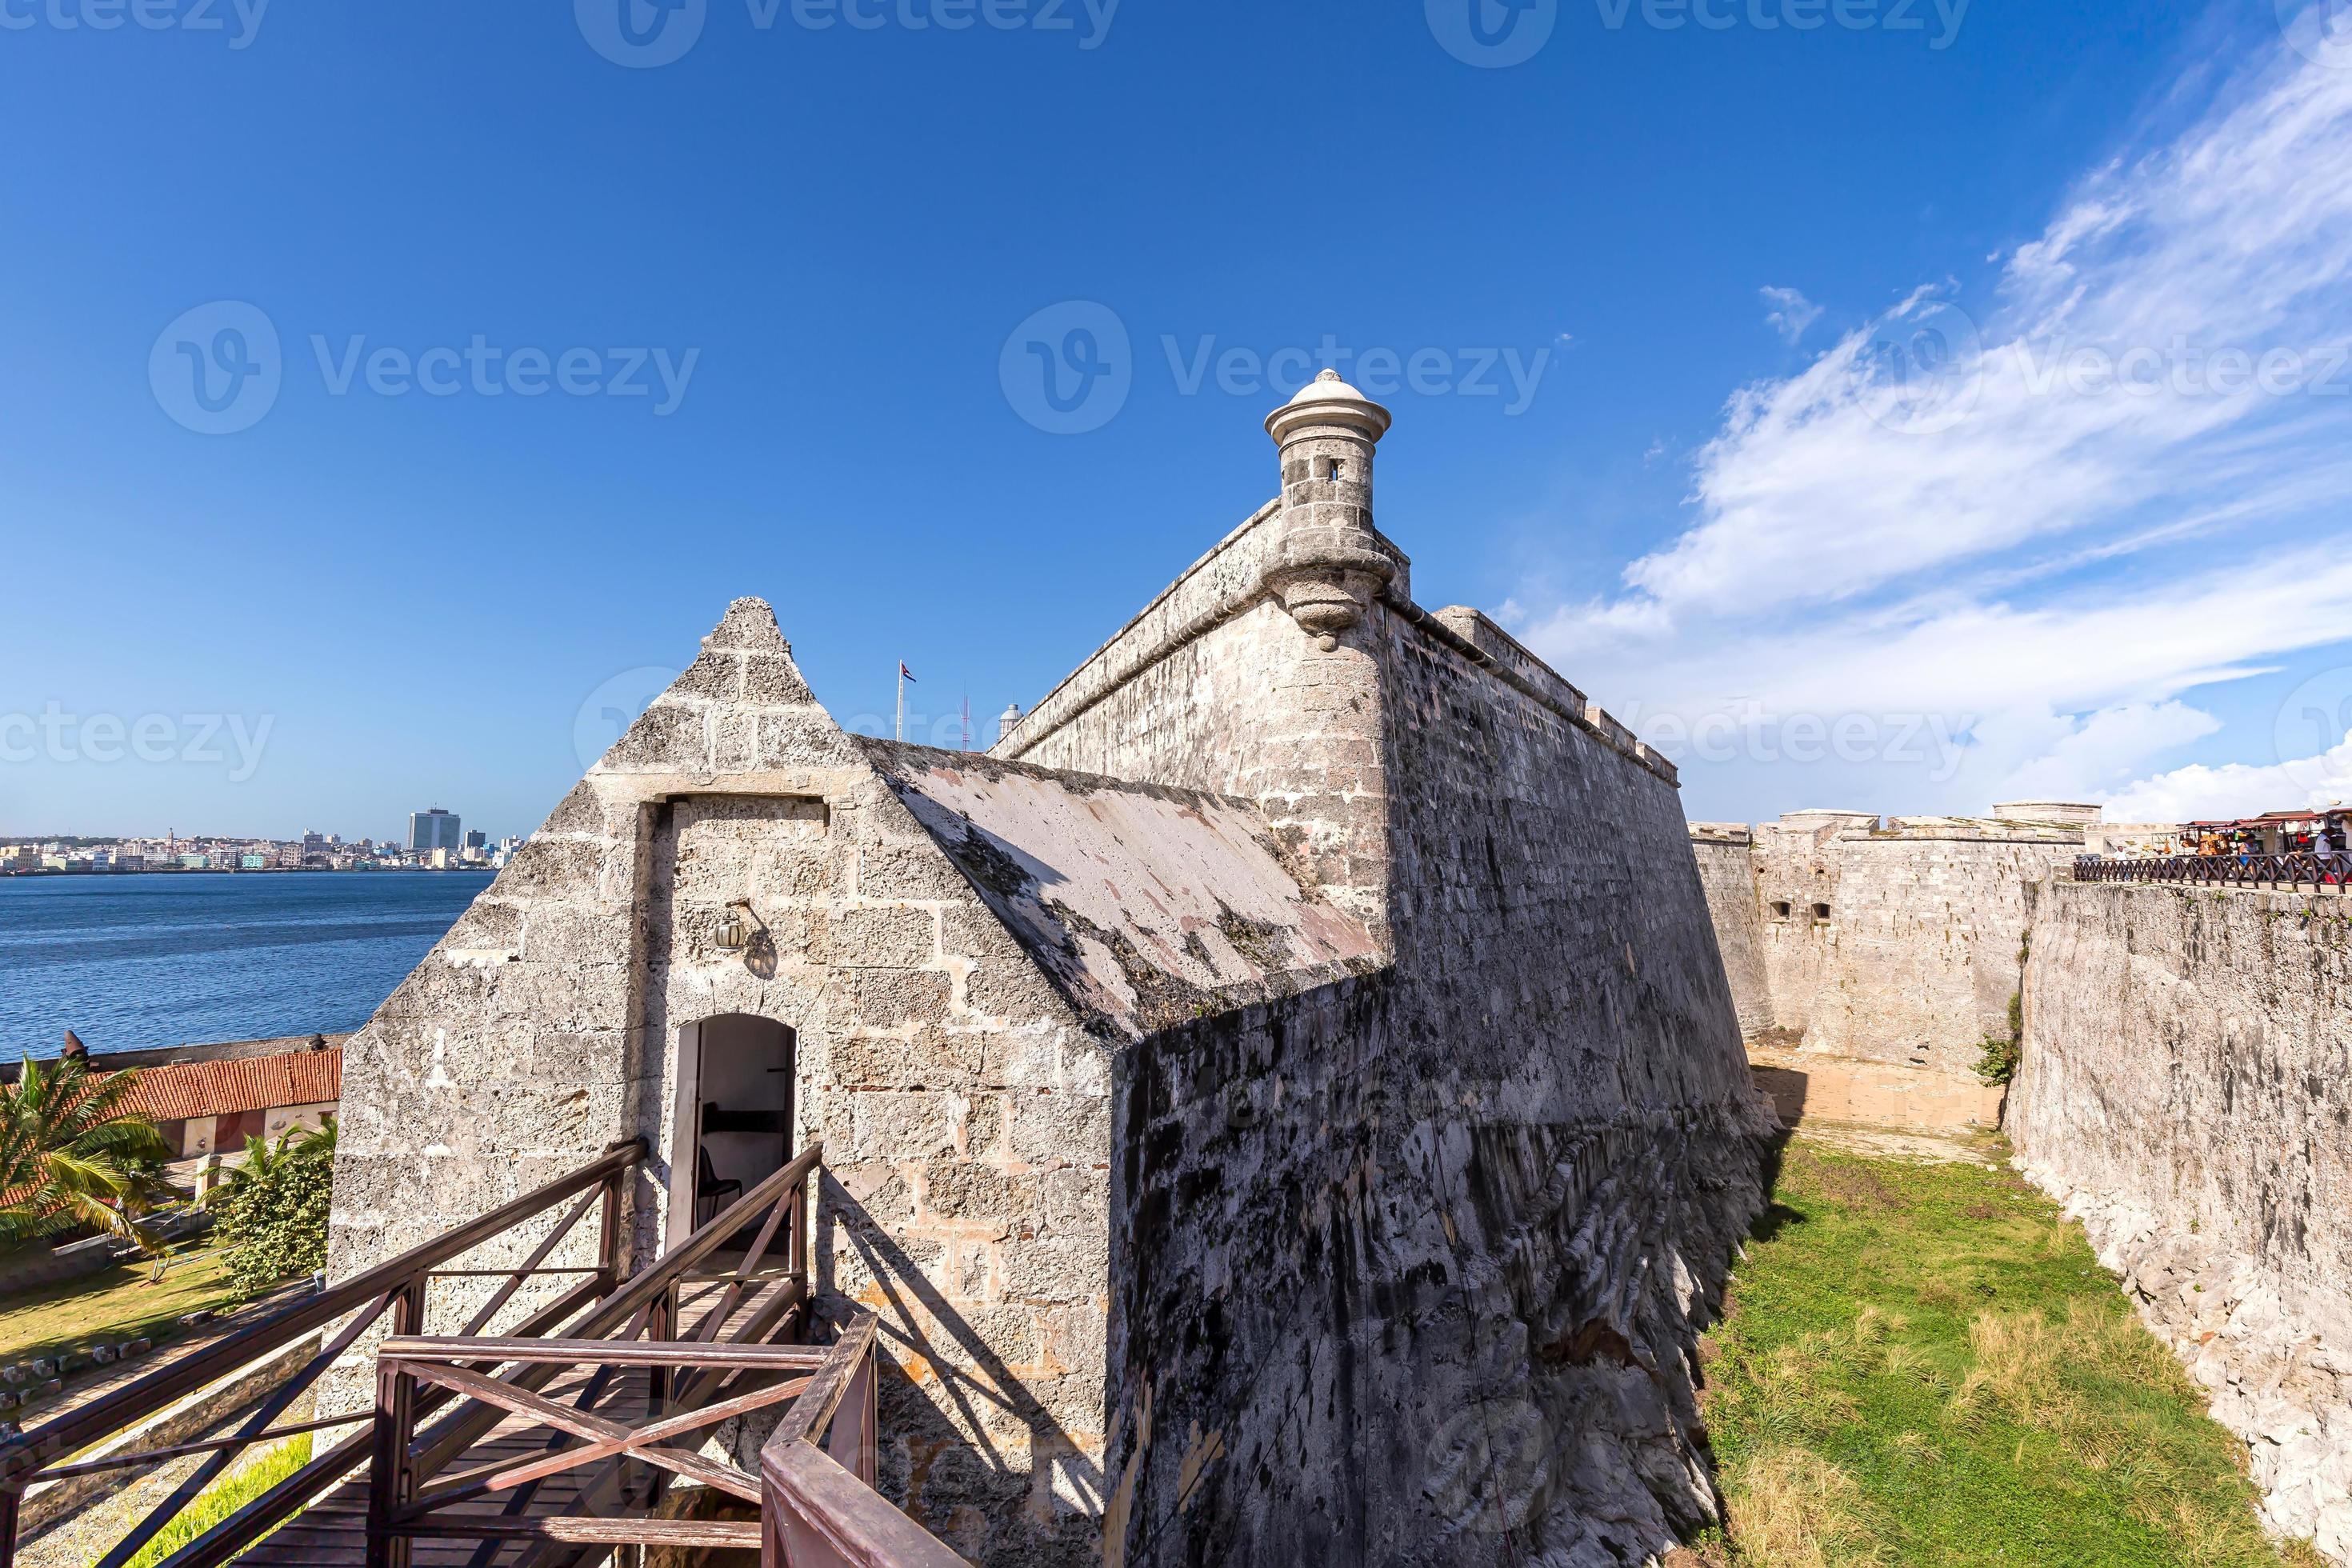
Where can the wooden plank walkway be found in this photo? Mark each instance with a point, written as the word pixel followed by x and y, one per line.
pixel 332 1532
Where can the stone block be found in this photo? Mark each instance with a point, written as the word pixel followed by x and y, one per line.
pixel 771 681
pixel 715 674
pixel 1054 1128
pixel 885 998
pixel 897 1126
pixel 668 737
pixel 889 937
pixel 962 1190
pixel 1057 1269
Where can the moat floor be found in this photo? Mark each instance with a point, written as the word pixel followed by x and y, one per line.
pixel 1924 1363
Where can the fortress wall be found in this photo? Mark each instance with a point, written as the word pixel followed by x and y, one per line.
pixel 1919 954
pixel 2187 1089
pixel 1727 878
pixel 1923 949
pixel 1800 867
pixel 1419 1258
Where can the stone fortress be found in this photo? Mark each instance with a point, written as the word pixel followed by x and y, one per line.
pixel 1285 1103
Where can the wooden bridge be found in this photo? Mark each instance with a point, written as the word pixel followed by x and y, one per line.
pixel 556 1441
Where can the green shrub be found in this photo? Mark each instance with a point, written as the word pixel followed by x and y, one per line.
pixel 274 1218
pixel 1998 1065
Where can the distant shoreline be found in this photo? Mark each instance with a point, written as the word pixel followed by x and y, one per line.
pixel 256 871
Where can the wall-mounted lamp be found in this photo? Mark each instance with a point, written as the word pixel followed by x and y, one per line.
pixel 740 925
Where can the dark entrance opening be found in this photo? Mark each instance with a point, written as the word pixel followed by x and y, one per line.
pixel 734 1118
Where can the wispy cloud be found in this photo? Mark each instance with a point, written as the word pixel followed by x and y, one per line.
pixel 1791 313
pixel 2048 517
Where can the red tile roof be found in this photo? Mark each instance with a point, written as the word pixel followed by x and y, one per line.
pixel 182 1090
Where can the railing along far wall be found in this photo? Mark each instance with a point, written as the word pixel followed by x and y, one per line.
pixel 2320 873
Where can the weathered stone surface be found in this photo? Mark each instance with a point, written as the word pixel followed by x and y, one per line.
pixel 1902 941
pixel 2187 1090
pixel 1286 1109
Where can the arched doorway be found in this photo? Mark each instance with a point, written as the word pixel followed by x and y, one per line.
pixel 732 1123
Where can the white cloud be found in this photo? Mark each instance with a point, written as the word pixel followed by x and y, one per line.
pixel 2046 520
pixel 1791 313
pixel 2201 793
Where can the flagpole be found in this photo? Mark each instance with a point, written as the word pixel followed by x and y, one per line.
pixel 902 700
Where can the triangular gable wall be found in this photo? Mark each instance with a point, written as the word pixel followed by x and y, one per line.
pixel 964 1107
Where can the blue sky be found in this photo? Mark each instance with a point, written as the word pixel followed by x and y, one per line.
pixel 1807 452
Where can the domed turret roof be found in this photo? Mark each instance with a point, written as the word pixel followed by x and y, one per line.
pixel 1328 400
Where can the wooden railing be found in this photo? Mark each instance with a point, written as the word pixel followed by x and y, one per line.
pixel 397 1288
pixel 2318 872
pixel 815 1486
pixel 688 1374
pixel 819 1507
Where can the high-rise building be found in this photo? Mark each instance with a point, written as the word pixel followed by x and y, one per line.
pixel 434 829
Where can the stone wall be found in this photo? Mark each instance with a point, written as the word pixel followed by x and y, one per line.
pixel 1286 1104
pixel 1727 877
pixel 1901 943
pixel 2187 1089
pixel 1410 1267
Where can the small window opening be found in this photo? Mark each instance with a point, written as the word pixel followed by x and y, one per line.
pixel 1335 470
pixel 1780 911
pixel 1821 911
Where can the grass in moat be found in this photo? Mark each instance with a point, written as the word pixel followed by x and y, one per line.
pixel 118 1304
pixel 1924 1363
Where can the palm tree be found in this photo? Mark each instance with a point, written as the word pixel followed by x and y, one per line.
pixel 71 1155
pixel 263 1162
